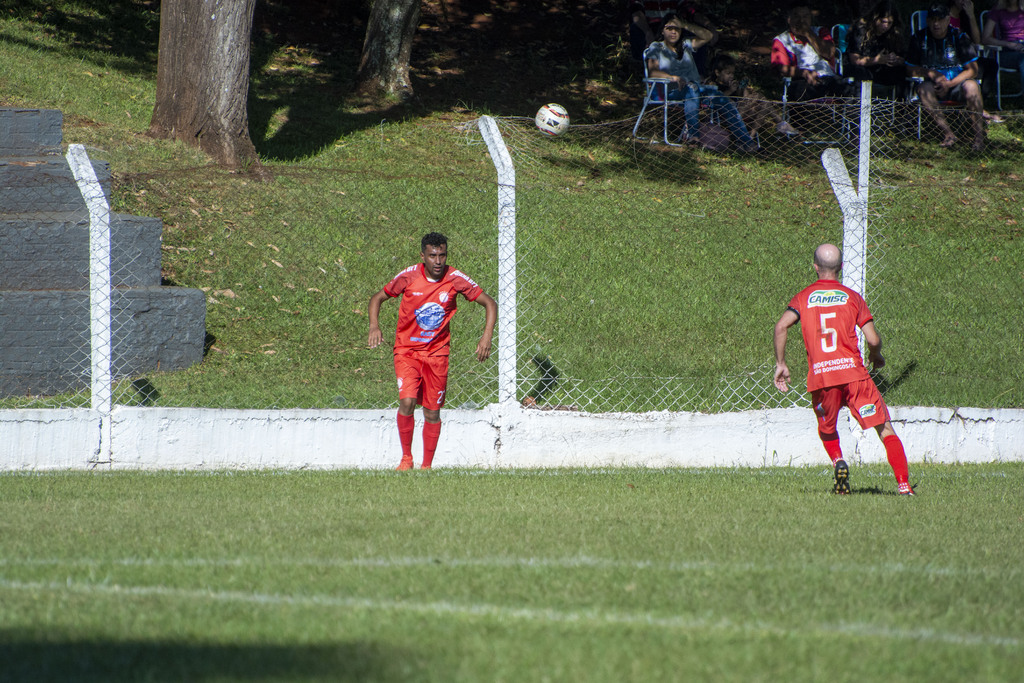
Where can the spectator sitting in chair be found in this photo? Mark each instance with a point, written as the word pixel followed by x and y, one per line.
pixel 948 62
pixel 806 54
pixel 646 18
pixel 672 59
pixel 961 16
pixel 1004 28
pixel 878 48
pixel 753 106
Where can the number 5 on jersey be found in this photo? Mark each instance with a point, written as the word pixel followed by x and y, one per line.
pixel 829 336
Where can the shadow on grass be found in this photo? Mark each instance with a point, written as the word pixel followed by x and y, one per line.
pixel 125 30
pixel 885 384
pixel 296 113
pixel 878 491
pixel 870 491
pixel 28 659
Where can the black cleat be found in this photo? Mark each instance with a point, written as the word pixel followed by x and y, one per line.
pixel 842 486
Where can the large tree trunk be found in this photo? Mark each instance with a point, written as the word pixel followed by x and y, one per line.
pixel 384 67
pixel 202 81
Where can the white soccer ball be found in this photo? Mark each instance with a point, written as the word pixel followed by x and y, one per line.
pixel 552 119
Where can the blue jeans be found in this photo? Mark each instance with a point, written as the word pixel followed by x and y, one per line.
pixel 719 103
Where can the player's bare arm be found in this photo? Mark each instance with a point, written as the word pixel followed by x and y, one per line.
pixel 483 348
pixel 874 343
pixel 373 311
pixel 788 319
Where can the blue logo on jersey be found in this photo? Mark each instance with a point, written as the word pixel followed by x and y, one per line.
pixel 429 317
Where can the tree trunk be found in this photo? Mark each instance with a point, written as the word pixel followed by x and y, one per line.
pixel 202 81
pixel 384 67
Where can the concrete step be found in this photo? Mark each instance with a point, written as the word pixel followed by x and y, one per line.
pixel 41 184
pixel 45 336
pixel 51 251
pixel 30 132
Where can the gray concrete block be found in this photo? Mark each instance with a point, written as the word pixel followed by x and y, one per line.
pixel 42 184
pixel 29 132
pixel 50 251
pixel 45 337
pixel 44 274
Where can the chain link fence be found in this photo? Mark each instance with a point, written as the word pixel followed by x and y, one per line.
pixel 44 271
pixel 647 275
pixel 684 276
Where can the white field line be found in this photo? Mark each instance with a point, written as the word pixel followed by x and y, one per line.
pixel 579 562
pixel 589 618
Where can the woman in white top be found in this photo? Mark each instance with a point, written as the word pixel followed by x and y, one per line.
pixel 672 59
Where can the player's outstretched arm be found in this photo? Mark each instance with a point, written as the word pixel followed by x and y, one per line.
pixel 373 311
pixel 483 348
pixel 788 319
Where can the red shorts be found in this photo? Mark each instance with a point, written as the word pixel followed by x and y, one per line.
pixel 862 398
pixel 424 378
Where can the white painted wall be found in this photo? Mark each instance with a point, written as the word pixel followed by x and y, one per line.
pixel 496 436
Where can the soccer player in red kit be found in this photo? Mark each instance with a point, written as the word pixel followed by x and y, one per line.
pixel 423 340
pixel 829 315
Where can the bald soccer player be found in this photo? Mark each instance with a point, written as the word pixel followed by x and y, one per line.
pixel 829 315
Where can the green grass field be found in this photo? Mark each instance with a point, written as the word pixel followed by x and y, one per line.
pixel 562 575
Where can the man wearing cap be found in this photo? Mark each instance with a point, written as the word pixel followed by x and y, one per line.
pixel 947 61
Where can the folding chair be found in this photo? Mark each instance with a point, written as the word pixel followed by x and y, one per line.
pixel 840 37
pixel 840 34
pixel 918 20
pixel 995 52
pixel 836 107
pixel 656 93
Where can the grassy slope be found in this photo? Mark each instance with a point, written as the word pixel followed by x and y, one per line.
pixel 289 264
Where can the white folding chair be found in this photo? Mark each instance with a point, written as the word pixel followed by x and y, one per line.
pixel 840 35
pixel 995 52
pixel 656 94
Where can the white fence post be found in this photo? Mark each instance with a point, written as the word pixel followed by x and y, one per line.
pixel 854 204
pixel 507 348
pixel 99 292
pixel 853 200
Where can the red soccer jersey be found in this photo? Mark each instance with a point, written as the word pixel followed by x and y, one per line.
pixel 829 317
pixel 427 308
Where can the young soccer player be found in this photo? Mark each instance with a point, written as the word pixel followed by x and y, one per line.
pixel 829 315
pixel 423 340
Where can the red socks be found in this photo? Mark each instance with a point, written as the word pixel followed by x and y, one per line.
pixel 406 424
pixel 897 458
pixel 431 433
pixel 831 444
pixel 893 451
